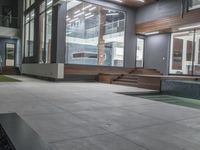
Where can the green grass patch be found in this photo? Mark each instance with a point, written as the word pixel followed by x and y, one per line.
pixel 7 79
pixel 187 102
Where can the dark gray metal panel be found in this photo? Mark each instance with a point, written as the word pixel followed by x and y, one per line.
pixel 58 33
pixel 189 89
pixel 130 40
pixel 163 8
pixel 156 55
pixel 20 134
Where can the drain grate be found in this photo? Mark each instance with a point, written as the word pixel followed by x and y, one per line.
pixel 5 143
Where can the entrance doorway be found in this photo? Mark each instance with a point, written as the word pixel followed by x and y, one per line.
pixel 185 53
pixel 10 54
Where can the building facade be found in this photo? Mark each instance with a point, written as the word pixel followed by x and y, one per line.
pixel 95 33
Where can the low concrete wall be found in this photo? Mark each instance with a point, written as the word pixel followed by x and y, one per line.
pixel 54 71
pixel 9 32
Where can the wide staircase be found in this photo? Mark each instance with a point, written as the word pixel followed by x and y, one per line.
pixel 132 78
pixel 10 71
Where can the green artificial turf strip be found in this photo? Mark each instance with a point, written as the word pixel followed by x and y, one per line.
pixel 187 102
pixel 7 79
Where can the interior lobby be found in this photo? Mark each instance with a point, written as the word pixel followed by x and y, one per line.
pixel 100 75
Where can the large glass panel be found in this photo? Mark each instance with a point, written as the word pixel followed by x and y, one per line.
pixel 26 40
pixel 42 38
pixel 48 35
pixel 32 2
pixel 49 3
pixel 31 42
pixel 27 4
pixel 10 54
pixel 197 53
pixel 182 53
pixel 194 4
pixel 140 53
pixel 94 35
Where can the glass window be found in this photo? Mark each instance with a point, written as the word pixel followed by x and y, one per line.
pixel 32 2
pixel 31 43
pixel 194 4
pixel 29 34
pixel 94 34
pixel 26 40
pixel 49 3
pixel 27 4
pixel 182 53
pixel 45 28
pixel 197 53
pixel 140 53
pixel 42 35
pixel 48 35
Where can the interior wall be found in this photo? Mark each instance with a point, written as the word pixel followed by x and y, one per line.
pixel 160 9
pixel 156 54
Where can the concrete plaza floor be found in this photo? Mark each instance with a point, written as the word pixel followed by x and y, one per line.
pixel 92 116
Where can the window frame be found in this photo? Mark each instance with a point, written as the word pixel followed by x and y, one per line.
pixel 125 33
pixel 44 12
pixel 31 19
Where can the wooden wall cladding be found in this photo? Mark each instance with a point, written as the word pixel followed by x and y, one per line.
pixel 169 23
pixel 94 70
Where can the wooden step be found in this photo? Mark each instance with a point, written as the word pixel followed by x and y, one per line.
pixel 10 71
pixel 125 83
pixel 127 80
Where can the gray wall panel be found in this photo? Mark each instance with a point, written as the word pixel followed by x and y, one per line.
pixel 156 55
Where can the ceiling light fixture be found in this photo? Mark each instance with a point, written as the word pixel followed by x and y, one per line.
pixel 93 8
pixel 190 27
pixel 152 33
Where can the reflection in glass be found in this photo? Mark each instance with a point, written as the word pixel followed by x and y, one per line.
pixel 26 40
pixel 194 4
pixel 31 42
pixel 140 53
pixel 94 35
pixel 48 35
pixel 42 36
pixel 197 53
pixel 182 53
pixel 10 54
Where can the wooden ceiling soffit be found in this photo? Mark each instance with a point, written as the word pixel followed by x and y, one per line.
pixel 167 23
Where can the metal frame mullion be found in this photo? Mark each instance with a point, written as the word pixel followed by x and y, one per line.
pixel 193 51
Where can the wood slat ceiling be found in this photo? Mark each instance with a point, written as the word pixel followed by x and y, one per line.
pixel 133 3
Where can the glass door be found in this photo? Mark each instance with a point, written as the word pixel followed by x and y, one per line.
pixel 181 61
pixel 140 53
pixel 10 54
pixel 196 68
